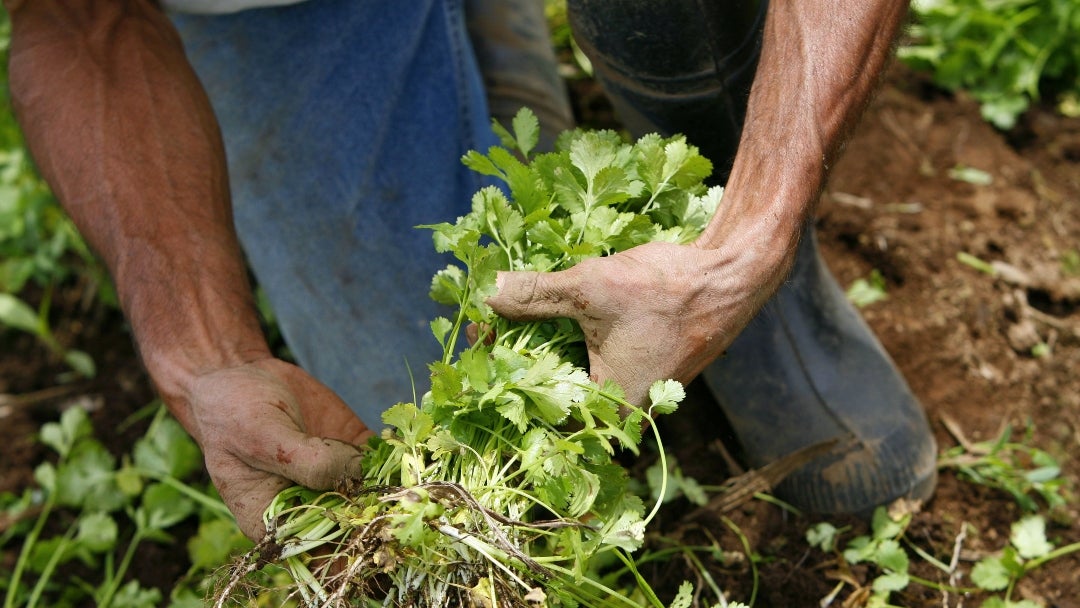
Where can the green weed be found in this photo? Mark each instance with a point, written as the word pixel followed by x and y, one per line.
pixel 1006 53
pixel 91 509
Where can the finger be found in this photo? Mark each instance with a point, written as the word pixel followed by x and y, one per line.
pixel 530 296
pixel 250 501
pixel 316 462
pixel 475 332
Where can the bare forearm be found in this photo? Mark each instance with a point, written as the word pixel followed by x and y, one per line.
pixel 124 134
pixel 820 63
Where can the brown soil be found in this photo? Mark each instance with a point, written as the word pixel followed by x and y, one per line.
pixel 962 338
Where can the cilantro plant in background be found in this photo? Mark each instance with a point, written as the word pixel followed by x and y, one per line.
pixel 1016 467
pixel 498 487
pixel 1029 475
pixel 1006 53
pixel 40 248
pixel 865 291
pixel 1028 549
pixel 92 510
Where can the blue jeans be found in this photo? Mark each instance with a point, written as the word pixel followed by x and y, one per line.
pixel 344 123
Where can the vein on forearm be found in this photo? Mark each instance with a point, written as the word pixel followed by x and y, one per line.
pixel 819 63
pixel 125 136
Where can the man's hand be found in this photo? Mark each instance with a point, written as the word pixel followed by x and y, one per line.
pixel 123 132
pixel 266 425
pixel 656 311
pixel 666 311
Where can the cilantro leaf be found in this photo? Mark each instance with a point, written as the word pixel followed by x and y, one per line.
pixel 1029 537
pixel 990 574
pixel 666 396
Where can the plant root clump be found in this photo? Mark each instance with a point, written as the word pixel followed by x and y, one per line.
pixel 472 556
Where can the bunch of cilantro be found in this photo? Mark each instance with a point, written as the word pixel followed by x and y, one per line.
pixel 1005 53
pixel 499 487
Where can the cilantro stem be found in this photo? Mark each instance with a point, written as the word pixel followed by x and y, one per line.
pixel 749 556
pixel 114 581
pixel 28 545
pixel 942 586
pixel 614 598
pixel 1052 555
pixel 54 559
pixel 217 507
pixel 643 585
pixel 688 553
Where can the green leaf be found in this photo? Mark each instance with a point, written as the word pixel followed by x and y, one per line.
pixel 885 527
pixel 526 130
pixel 693 490
pixel 448 286
pixel 443 443
pixel 475 367
pixel 699 210
pixel 684 597
pixel 480 164
pixel 971 175
pixel 502 221
pixel 626 533
pixel 665 396
pixel 823 535
pixel 410 523
pixel 654 477
pixel 1029 537
pixel 866 291
pixel 446 384
pixel 81 362
pixel 58 548
pixel 1012 561
pixel 17 314
pixel 163 506
pixel 97 532
pixel 608 187
pixel 440 328
pixel 62 436
pixel 593 152
pixel 685 166
pixel 132 595
pixel 990 574
pixel 413 425
pixel 167 450
pixel 45 476
pixel 87 479
pixel 216 541
pixel 512 408
pixel 551 235
pixel 891 581
pixel 860 549
pixel 891 556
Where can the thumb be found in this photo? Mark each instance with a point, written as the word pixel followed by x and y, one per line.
pixel 316 463
pixel 530 296
pixel 319 463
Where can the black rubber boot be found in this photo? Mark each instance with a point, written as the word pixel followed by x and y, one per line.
pixel 675 66
pixel 513 49
pixel 807 369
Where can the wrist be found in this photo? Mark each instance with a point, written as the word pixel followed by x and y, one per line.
pixel 175 375
pixel 184 332
pixel 760 225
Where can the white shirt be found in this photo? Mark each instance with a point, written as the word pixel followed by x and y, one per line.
pixel 220 6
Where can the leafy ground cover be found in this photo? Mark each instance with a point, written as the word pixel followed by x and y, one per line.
pixel 1006 53
pixel 965 244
